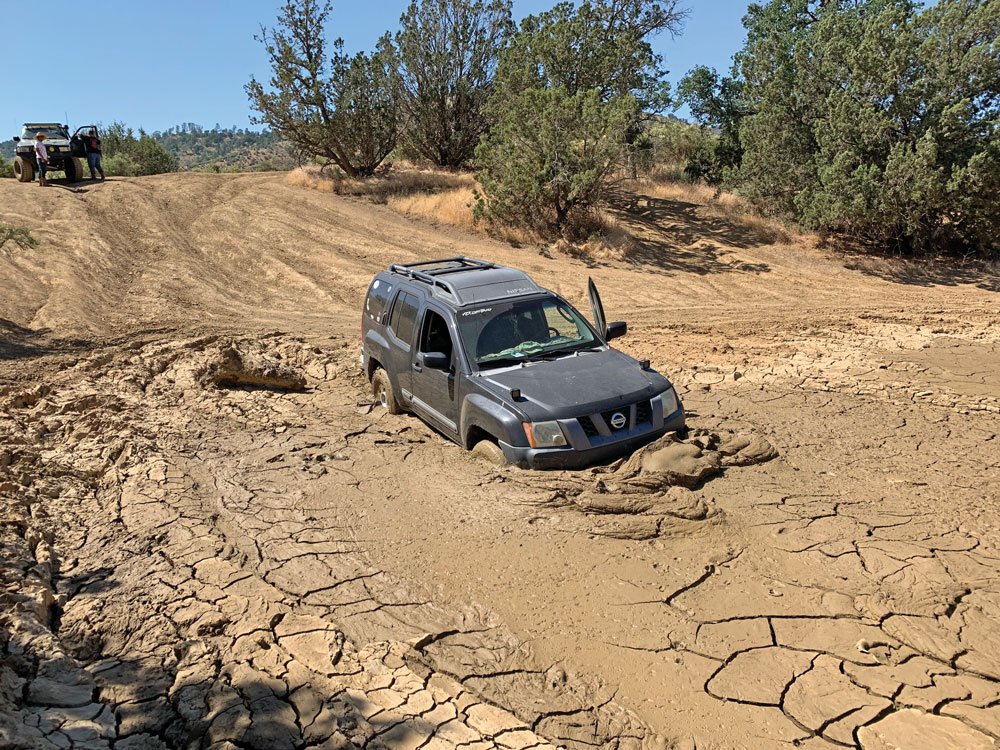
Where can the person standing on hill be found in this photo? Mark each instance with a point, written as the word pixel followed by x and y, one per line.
pixel 94 154
pixel 42 157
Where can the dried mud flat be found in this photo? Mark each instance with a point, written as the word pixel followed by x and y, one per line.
pixel 211 538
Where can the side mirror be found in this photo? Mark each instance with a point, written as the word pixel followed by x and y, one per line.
pixel 437 360
pixel 616 330
pixel 16 138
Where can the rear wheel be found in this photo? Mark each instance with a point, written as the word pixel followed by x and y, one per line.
pixel 490 452
pixel 24 170
pixel 382 390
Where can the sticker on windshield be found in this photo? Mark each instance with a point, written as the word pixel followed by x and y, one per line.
pixel 477 312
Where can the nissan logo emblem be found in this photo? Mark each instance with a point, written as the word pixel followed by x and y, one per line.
pixel 618 420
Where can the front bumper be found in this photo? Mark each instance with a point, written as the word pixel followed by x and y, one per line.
pixel 567 457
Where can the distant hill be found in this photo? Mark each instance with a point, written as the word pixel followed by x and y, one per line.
pixel 225 149
pixel 219 149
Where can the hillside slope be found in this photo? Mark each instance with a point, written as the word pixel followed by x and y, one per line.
pixel 292 569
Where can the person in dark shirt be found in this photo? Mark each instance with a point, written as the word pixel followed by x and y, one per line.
pixel 93 144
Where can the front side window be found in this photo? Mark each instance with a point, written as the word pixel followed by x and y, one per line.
pixel 404 316
pixel 504 333
pixel 434 335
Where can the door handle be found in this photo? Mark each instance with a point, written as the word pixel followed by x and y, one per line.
pixel 417 368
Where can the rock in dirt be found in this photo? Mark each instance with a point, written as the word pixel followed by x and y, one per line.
pixel 235 368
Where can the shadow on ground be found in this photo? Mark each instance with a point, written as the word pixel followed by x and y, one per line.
pixel 18 342
pixel 928 272
pixel 671 235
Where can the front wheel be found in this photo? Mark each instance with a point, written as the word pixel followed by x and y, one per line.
pixel 24 170
pixel 73 169
pixel 382 390
pixel 490 452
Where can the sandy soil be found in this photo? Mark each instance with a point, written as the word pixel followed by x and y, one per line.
pixel 187 562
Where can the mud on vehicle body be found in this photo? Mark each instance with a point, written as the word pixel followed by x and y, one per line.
pixel 65 152
pixel 506 368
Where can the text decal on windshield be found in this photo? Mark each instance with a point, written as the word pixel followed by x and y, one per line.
pixel 477 312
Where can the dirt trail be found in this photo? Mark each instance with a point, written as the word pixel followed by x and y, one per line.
pixel 189 565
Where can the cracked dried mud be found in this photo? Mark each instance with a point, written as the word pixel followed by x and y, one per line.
pixel 212 538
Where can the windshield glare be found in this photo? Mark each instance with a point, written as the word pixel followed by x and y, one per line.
pixel 51 131
pixel 522 330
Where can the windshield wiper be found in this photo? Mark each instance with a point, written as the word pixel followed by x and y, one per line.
pixel 589 347
pixel 503 362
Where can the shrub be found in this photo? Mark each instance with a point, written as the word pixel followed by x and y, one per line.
pixel 17 235
pixel 126 155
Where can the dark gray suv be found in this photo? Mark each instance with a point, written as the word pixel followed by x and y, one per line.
pixel 508 369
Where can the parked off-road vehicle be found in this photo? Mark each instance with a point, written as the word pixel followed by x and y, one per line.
pixel 66 152
pixel 506 368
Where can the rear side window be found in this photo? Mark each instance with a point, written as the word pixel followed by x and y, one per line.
pixel 378 298
pixel 404 316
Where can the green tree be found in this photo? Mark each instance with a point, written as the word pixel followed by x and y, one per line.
pixel 567 103
pixel 716 102
pixel 344 109
pixel 549 154
pixel 448 52
pixel 877 119
pixel 6 169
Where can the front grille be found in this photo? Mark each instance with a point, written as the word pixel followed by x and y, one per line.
pixel 643 412
pixel 588 426
pixel 607 415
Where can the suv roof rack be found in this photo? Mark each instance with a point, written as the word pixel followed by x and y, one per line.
pixel 428 270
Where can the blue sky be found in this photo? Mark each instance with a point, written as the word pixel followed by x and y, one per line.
pixel 156 65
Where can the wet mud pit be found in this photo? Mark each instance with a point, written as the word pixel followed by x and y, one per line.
pixel 210 538
pixel 197 551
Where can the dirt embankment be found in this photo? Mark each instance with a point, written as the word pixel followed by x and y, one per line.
pixel 212 538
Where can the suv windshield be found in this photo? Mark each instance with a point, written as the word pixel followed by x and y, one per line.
pixel 51 130
pixel 518 331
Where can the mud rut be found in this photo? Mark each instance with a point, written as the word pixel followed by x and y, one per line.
pixel 188 565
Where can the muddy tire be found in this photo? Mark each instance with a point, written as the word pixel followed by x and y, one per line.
pixel 24 170
pixel 490 452
pixel 382 390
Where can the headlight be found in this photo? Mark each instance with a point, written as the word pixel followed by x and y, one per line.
pixel 669 401
pixel 544 434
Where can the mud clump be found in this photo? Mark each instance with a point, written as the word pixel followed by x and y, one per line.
pixel 670 461
pixel 244 369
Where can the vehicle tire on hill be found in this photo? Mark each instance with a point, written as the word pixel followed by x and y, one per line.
pixel 490 452
pixel 382 390
pixel 73 169
pixel 24 170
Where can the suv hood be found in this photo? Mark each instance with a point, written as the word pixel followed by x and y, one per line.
pixel 576 385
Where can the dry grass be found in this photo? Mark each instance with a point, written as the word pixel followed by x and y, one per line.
pixel 430 195
pixel 448 198
pixel 380 189
pixel 452 207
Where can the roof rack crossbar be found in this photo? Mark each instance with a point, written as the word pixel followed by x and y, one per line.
pixel 459 263
pixel 420 276
pixel 413 270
